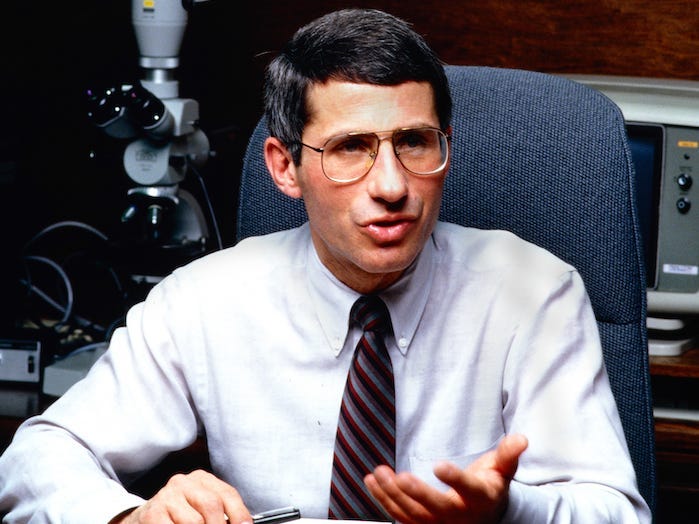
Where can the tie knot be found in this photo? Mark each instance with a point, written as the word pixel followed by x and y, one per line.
pixel 371 313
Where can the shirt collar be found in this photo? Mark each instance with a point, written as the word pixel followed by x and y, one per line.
pixel 405 299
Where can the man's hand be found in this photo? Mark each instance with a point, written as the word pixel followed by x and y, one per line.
pixel 198 497
pixel 477 494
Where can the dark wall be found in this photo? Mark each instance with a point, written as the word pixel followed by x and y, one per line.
pixel 54 164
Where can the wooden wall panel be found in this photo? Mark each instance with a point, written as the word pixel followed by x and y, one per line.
pixel 629 37
pixel 624 37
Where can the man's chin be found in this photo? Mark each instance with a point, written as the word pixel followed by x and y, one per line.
pixel 390 263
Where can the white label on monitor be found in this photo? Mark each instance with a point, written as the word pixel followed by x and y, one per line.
pixel 680 269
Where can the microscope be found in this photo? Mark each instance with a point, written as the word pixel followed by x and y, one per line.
pixel 166 142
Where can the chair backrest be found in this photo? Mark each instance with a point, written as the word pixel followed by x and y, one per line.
pixel 548 159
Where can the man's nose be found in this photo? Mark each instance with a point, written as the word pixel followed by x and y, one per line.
pixel 387 178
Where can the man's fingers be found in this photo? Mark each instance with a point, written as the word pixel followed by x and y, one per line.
pixel 504 459
pixel 387 488
pixel 218 499
pixel 478 491
pixel 507 454
pixel 237 512
pixel 192 498
pixel 489 475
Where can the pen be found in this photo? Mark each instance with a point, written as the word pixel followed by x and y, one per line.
pixel 275 516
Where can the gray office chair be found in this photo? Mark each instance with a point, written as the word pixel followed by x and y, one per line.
pixel 546 158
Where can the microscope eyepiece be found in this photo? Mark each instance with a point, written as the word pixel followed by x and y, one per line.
pixel 149 113
pixel 126 111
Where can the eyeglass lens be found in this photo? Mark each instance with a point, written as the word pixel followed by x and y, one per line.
pixel 421 151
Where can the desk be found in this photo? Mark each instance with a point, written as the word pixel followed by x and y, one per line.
pixel 677 441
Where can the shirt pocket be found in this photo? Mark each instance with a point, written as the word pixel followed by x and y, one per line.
pixel 422 464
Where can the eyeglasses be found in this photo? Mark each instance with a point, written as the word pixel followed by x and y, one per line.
pixel 347 158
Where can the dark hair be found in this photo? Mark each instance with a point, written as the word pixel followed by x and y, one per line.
pixel 353 45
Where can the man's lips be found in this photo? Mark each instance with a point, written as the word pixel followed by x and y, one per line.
pixel 389 230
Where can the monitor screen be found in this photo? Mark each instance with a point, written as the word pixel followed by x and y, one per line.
pixel 646 143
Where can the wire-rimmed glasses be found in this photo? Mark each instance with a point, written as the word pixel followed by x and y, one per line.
pixel 347 158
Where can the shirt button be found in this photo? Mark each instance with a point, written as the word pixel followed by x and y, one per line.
pixel 402 342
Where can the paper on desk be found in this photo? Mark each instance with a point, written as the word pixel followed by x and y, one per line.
pixel 303 519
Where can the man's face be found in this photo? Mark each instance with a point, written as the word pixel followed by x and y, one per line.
pixel 369 231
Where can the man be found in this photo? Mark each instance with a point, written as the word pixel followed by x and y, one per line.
pixel 502 405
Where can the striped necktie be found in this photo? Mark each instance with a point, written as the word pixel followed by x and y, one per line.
pixel 366 426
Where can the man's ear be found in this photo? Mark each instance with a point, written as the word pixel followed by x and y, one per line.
pixel 281 167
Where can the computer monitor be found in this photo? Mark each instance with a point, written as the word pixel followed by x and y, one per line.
pixel 662 121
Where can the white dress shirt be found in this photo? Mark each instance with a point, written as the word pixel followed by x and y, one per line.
pixel 250 346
